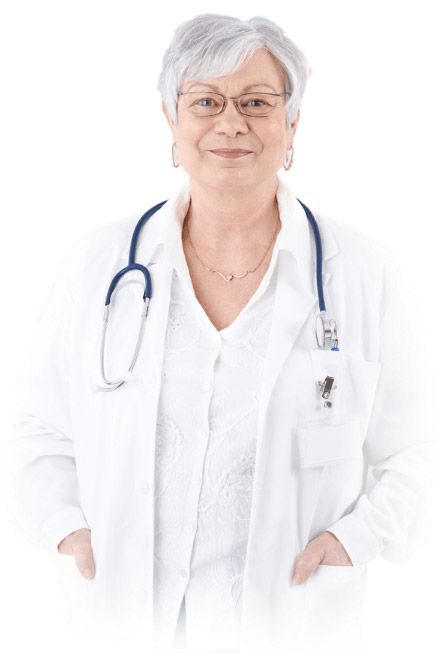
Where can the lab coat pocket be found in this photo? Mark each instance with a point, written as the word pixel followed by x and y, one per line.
pixel 332 442
pixel 74 586
pixel 334 612
pixel 325 368
pixel 339 573
pixel 353 390
pixel 67 568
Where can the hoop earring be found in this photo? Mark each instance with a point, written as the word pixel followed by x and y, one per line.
pixel 291 160
pixel 173 161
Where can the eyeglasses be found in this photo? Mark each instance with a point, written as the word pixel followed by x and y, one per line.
pixel 248 104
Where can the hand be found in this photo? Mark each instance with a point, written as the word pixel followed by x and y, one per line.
pixel 326 549
pixel 78 544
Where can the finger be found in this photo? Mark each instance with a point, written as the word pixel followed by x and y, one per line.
pixel 84 560
pixel 305 566
pixel 85 566
pixel 65 546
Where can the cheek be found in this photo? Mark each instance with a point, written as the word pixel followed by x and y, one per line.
pixel 192 143
pixel 274 142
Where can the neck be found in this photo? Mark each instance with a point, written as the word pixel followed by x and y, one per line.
pixel 228 222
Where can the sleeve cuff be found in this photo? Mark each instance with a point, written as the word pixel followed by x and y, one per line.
pixel 357 539
pixel 61 525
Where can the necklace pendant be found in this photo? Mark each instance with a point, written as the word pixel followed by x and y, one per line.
pixel 227 278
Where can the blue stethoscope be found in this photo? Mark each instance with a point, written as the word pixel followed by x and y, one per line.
pixel 326 330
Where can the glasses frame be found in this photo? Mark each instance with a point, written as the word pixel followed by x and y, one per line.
pixel 231 97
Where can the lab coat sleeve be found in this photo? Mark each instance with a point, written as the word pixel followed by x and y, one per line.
pixel 396 518
pixel 43 495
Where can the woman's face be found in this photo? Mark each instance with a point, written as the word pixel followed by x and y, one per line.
pixel 268 138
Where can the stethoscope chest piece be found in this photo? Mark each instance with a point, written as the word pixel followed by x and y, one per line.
pixel 326 332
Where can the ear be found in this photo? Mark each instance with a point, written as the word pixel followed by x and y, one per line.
pixel 169 119
pixel 293 126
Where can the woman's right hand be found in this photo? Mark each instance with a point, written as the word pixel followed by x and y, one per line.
pixel 78 544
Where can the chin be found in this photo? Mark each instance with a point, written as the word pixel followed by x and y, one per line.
pixel 227 181
pixel 225 177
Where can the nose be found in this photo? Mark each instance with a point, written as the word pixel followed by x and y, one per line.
pixel 230 120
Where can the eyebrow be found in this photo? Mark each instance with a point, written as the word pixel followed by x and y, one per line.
pixel 215 88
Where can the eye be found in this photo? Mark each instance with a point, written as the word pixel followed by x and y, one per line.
pixel 250 102
pixel 205 102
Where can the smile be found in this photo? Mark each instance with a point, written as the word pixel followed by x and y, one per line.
pixel 230 154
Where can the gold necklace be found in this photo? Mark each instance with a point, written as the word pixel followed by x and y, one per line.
pixel 230 276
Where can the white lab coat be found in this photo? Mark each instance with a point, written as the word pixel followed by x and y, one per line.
pixel 86 459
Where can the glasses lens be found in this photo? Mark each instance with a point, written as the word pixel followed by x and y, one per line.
pixel 259 104
pixel 203 104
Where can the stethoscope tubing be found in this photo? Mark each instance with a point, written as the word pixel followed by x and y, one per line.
pixel 327 328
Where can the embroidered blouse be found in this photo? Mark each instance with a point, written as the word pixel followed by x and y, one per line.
pixel 204 462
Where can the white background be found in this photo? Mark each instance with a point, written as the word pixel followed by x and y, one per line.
pixel 84 141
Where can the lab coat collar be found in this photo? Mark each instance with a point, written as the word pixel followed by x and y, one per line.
pixel 161 235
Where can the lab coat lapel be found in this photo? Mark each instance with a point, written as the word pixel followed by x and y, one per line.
pixel 292 306
pixel 263 595
pixel 161 231
pixel 151 352
pixel 296 295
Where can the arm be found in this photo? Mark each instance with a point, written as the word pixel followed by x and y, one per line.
pixel 43 494
pixel 395 518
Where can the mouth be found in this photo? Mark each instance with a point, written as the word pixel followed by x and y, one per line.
pixel 230 153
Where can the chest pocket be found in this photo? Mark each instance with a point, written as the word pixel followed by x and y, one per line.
pixel 336 432
pixel 354 386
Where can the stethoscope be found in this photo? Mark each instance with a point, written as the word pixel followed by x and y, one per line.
pixel 326 330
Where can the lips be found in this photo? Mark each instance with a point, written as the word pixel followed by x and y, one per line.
pixel 230 154
pixel 230 151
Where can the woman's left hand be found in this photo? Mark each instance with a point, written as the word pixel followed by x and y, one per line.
pixel 326 549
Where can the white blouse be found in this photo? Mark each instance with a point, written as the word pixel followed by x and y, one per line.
pixel 204 464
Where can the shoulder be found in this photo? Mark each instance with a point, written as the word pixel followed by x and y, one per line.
pixel 355 243
pixel 367 265
pixel 364 251
pixel 97 251
pixel 112 235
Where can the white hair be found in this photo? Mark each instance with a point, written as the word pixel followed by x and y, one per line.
pixel 213 45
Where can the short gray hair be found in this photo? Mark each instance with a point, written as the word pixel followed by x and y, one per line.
pixel 213 45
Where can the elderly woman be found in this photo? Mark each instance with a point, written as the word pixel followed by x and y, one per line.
pixel 216 498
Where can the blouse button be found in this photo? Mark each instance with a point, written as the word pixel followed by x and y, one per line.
pixel 144 488
pixel 194 479
pixel 141 594
pixel 207 386
pixel 151 382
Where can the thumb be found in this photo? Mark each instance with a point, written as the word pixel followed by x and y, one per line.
pixel 307 563
pixel 83 553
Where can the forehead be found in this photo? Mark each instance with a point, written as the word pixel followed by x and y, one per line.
pixel 262 71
